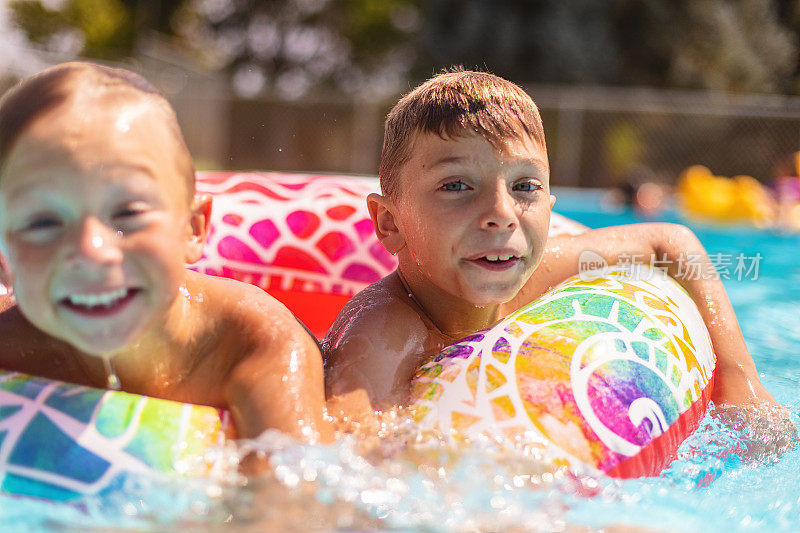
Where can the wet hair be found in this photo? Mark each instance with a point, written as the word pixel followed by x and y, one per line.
pixel 453 104
pixel 35 96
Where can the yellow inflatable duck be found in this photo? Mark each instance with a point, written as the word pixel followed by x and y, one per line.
pixel 718 198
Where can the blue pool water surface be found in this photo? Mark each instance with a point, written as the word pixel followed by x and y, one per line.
pixel 385 485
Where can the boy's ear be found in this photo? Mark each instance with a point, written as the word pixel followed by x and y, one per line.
pixel 381 209
pixel 199 218
pixel 552 200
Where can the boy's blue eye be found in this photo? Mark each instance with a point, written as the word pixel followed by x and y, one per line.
pixel 527 186
pixel 453 186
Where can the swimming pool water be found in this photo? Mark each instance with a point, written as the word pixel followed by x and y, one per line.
pixel 432 485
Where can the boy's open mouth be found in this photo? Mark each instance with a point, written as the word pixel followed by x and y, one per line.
pixel 497 262
pixel 100 303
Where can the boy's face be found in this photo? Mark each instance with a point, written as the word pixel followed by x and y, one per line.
pixel 474 219
pixel 94 221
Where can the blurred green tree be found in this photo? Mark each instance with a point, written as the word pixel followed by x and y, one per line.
pixel 724 45
pixel 728 45
pixel 294 46
pixel 94 28
pixel 537 41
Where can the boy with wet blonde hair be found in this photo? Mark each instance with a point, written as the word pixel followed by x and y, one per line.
pixel 466 207
pixel 98 216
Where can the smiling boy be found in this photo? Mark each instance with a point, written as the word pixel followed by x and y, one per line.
pixel 466 209
pixel 98 216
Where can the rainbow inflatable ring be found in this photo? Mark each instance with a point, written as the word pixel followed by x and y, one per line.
pixel 616 369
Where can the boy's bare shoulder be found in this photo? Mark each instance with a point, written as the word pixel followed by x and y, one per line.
pixel 373 349
pixel 240 329
pixel 378 317
pixel 248 312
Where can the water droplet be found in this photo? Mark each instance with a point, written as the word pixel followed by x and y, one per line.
pixel 112 380
pixel 294 362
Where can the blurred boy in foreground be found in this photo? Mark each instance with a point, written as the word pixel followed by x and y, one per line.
pixel 98 215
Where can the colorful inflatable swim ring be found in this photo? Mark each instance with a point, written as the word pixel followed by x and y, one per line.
pixel 60 441
pixel 615 369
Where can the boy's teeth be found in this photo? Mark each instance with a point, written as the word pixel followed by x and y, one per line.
pixel 94 300
pixel 498 257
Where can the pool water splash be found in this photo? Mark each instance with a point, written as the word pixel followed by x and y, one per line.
pixel 392 474
pixel 388 474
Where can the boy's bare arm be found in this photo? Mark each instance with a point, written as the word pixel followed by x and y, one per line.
pixel 279 382
pixel 737 380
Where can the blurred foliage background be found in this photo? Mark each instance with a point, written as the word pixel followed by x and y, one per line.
pixel 296 46
pixel 304 84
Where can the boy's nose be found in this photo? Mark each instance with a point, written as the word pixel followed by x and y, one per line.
pixel 500 213
pixel 96 243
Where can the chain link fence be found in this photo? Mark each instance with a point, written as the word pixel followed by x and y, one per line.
pixel 602 137
pixel 597 137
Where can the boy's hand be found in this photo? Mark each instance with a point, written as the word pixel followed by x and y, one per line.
pixel 763 432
